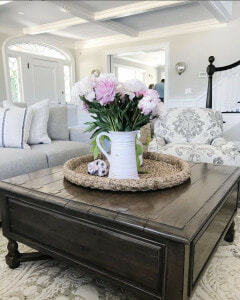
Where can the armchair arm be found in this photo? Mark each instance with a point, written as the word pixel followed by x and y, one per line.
pixel 77 134
pixel 224 145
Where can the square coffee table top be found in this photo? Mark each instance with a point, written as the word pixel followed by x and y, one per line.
pixel 176 213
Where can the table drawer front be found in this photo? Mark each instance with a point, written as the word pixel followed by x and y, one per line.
pixel 135 260
pixel 203 247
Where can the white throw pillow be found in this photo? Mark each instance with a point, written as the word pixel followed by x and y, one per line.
pixel 14 127
pixel 38 131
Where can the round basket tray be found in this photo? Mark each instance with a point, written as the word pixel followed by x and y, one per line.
pixel 159 171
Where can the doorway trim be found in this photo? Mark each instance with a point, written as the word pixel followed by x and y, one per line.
pixel 19 39
pixel 154 46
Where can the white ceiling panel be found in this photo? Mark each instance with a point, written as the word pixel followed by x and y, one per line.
pixel 166 17
pixel 102 5
pixel 35 13
pixel 86 31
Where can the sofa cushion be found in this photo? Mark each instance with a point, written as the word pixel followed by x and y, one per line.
pixel 14 162
pixel 58 123
pixel 58 152
pixel 190 125
pixel 199 153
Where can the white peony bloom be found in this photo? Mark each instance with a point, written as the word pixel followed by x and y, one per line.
pixel 90 96
pixel 133 87
pixel 84 88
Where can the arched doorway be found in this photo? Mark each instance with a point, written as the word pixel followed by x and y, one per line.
pixel 35 71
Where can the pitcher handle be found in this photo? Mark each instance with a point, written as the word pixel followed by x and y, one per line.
pixel 100 146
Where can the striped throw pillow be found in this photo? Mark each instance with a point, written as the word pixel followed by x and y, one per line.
pixel 14 127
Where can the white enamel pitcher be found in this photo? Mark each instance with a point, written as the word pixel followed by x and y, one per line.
pixel 123 155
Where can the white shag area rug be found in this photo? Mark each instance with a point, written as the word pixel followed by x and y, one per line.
pixel 52 279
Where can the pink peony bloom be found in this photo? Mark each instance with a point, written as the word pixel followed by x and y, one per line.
pixel 150 104
pixel 105 91
pixel 152 94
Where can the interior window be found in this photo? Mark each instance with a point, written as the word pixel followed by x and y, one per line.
pixel 37 48
pixel 67 83
pixel 124 73
pixel 14 79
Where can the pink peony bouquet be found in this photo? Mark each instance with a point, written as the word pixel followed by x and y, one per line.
pixel 117 106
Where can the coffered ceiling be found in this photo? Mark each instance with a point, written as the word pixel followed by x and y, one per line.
pixel 87 23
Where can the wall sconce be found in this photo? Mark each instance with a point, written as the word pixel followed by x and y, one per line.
pixel 96 73
pixel 180 67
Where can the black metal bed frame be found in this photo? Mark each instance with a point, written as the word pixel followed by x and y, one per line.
pixel 211 69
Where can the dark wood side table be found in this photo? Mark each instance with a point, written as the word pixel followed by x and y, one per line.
pixel 155 243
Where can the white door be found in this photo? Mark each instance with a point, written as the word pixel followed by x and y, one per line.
pixel 45 80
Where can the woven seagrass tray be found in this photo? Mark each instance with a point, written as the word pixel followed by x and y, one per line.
pixel 159 171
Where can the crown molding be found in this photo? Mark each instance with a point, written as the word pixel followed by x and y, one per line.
pixel 134 8
pixel 151 34
pixel 119 28
pixel 53 26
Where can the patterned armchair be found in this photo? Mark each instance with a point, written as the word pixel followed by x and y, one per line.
pixel 194 134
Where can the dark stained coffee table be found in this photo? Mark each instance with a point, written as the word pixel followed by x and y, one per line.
pixel 155 243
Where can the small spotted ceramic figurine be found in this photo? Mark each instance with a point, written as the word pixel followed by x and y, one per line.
pixel 98 167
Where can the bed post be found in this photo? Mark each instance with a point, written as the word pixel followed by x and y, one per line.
pixel 210 71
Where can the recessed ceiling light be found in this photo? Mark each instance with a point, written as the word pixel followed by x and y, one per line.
pixel 20 12
pixel 62 9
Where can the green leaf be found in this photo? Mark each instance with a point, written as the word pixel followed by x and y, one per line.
pixel 102 139
pixel 148 138
pixel 138 164
pixel 95 152
pixel 139 151
pixel 91 127
pixel 94 144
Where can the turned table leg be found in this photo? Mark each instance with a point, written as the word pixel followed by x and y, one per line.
pixel 229 237
pixel 14 257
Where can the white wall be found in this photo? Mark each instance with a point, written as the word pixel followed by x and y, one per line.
pixel 193 48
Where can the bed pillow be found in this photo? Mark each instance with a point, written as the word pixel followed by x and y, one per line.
pixel 38 131
pixel 14 127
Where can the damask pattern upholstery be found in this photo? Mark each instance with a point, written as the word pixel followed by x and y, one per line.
pixel 194 134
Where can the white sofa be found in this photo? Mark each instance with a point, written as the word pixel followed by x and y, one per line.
pixel 194 134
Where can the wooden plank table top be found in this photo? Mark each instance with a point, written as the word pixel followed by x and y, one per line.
pixel 176 212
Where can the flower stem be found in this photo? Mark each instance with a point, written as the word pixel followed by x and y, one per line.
pixel 135 121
